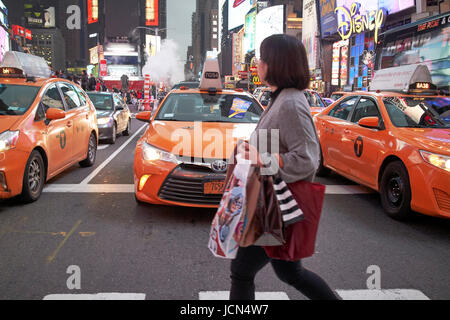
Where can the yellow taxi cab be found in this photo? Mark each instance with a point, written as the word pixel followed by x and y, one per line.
pixel 46 126
pixel 395 140
pixel 182 157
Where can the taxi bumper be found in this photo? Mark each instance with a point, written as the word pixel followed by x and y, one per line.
pixel 172 184
pixel 12 167
pixel 430 187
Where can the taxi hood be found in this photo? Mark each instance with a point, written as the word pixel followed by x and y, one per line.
pixel 7 122
pixel 198 139
pixel 428 139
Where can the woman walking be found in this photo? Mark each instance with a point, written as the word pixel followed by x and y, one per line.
pixel 283 67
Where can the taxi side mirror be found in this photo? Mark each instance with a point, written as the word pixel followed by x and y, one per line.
pixel 144 116
pixel 55 114
pixel 264 102
pixel 369 122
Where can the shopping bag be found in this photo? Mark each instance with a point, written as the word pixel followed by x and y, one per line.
pixel 262 222
pixel 227 225
pixel 301 236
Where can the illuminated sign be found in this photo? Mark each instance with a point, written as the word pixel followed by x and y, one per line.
pixel 92 11
pixel 428 25
pixel 151 13
pixel 356 23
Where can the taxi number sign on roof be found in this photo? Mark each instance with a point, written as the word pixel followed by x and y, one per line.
pixel 211 75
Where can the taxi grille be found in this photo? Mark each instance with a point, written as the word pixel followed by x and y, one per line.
pixel 185 185
pixel 442 199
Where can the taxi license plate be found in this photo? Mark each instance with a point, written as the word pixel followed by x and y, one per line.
pixel 213 187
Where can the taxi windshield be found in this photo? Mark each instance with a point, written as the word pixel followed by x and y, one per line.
pixel 101 101
pixel 411 112
pixel 15 100
pixel 206 107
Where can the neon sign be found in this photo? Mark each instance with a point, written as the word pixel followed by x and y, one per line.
pixel 356 23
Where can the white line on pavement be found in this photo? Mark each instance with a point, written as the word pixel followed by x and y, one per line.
pixel 103 147
pixel 111 157
pixel 97 296
pixel 129 188
pixel 225 295
pixel 89 188
pixel 390 294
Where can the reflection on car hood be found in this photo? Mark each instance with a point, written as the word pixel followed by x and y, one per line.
pixel 7 122
pixel 433 140
pixel 200 139
pixel 104 113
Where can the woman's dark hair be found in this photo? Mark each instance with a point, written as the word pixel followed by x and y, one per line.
pixel 287 63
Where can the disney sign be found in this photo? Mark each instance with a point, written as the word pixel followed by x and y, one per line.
pixel 356 23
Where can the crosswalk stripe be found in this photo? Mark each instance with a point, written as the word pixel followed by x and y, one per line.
pixel 89 188
pixel 225 295
pixel 97 296
pixel 129 188
pixel 390 294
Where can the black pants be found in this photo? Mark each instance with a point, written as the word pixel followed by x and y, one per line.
pixel 252 259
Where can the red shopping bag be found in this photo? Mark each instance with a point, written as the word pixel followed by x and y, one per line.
pixel 301 236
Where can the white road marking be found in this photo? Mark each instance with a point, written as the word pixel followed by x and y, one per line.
pixel 129 188
pixel 348 189
pixel 225 295
pixel 111 157
pixel 103 147
pixel 391 294
pixel 89 188
pixel 97 296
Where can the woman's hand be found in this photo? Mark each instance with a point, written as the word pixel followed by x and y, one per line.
pixel 249 152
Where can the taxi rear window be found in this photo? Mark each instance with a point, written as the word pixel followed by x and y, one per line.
pixel 412 112
pixel 101 101
pixel 206 107
pixel 15 100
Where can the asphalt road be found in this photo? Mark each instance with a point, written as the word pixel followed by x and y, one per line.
pixel 124 247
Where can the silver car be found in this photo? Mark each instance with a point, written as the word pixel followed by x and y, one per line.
pixel 113 115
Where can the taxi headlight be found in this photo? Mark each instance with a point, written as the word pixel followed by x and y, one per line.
pixel 436 160
pixel 150 153
pixel 8 140
pixel 103 121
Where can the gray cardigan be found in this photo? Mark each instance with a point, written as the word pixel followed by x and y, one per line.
pixel 290 116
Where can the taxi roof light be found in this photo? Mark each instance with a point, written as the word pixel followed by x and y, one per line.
pixel 408 79
pixel 211 80
pixel 26 66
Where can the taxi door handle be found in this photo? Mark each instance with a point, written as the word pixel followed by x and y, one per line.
pixel 69 124
pixel 87 116
pixel 346 131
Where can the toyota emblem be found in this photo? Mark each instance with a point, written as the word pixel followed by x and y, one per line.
pixel 219 166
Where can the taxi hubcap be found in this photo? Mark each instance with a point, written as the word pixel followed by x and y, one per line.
pixel 34 176
pixel 91 148
pixel 395 190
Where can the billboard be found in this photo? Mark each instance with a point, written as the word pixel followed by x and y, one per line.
pixel 3 15
pixel 39 16
pixel 268 22
pixel 151 13
pixel 328 19
pixel 250 31
pixel 237 10
pixel 92 7
pixel 309 34
pixel 152 45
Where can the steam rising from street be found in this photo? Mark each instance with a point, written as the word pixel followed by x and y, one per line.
pixel 165 65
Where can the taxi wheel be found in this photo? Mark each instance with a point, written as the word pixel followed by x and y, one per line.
pixel 127 130
pixel 33 178
pixel 395 191
pixel 322 171
pixel 91 154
